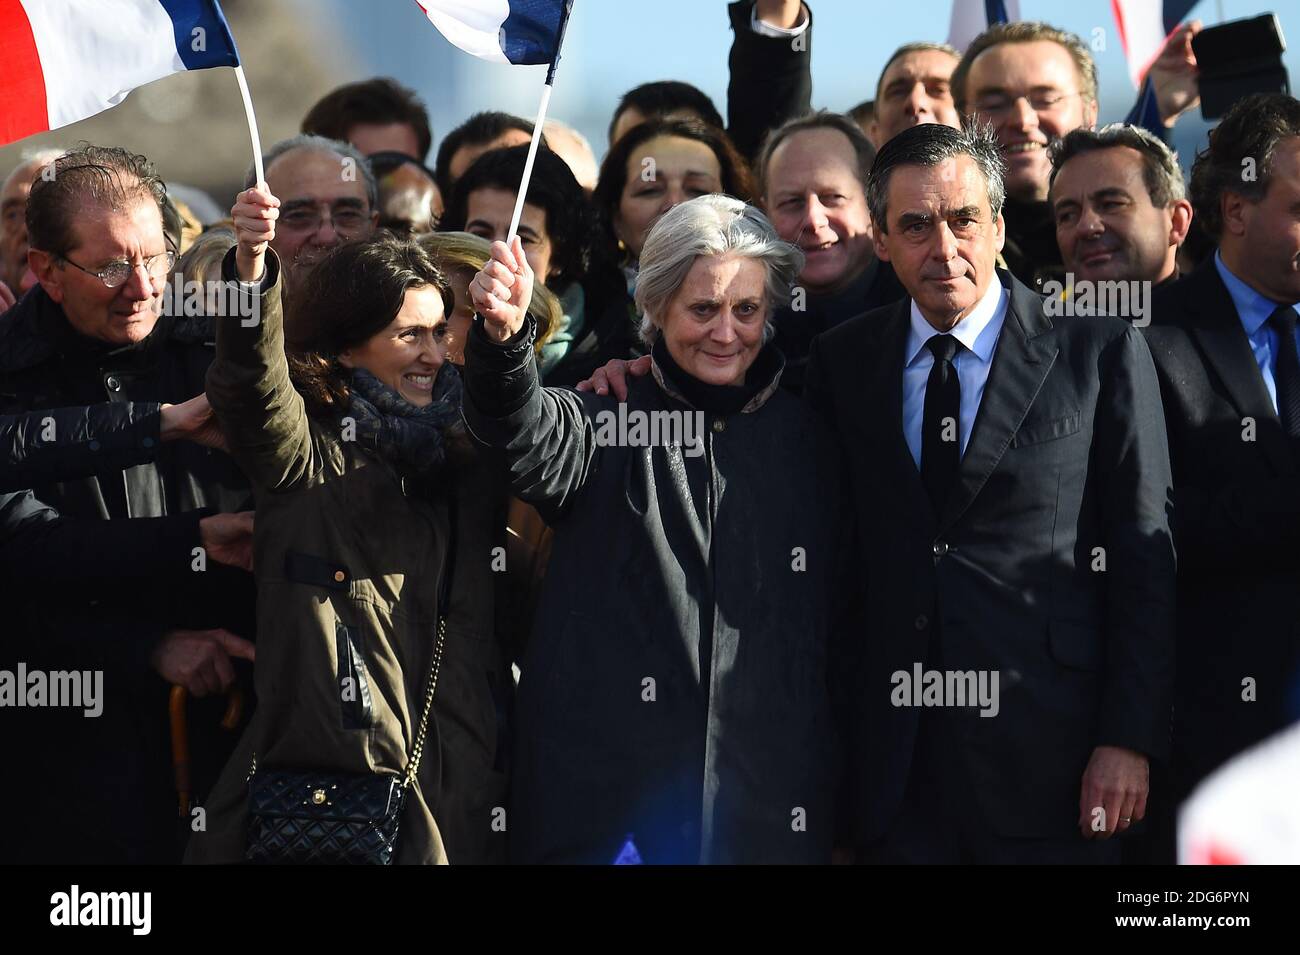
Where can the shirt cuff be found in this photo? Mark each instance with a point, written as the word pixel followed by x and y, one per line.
pixel 763 28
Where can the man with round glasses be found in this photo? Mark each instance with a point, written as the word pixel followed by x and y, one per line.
pixel 89 333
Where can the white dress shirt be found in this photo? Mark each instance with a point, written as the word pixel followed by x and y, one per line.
pixel 978 333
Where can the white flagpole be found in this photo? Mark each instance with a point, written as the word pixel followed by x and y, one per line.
pixel 257 140
pixel 528 163
pixel 537 125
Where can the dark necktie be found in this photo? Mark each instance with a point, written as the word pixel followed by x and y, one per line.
pixel 941 427
pixel 1287 373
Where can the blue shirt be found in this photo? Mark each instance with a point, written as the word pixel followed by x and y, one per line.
pixel 978 333
pixel 1254 309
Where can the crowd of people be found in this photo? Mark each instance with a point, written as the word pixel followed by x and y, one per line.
pixel 380 551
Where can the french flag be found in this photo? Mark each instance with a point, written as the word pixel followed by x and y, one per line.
pixel 1144 26
pixel 522 32
pixel 970 18
pixel 64 60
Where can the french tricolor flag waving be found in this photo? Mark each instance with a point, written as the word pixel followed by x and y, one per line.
pixel 65 60
pixel 521 32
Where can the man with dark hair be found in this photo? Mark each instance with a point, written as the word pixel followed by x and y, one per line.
pixel 90 332
pixel 812 177
pixel 1119 204
pixel 375 115
pixel 662 99
pixel 915 87
pixel 1032 83
pixel 480 133
pixel 1224 344
pixel 1000 694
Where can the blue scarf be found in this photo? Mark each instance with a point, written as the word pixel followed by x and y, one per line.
pixel 412 439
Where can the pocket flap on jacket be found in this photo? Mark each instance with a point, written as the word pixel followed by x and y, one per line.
pixel 1075 645
pixel 305 569
pixel 1036 432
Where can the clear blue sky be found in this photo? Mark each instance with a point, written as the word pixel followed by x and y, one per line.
pixel 614 45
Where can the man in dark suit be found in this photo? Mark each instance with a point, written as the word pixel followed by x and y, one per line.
pixel 1012 489
pixel 1224 344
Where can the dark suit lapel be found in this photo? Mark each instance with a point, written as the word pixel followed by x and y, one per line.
pixel 888 397
pixel 1217 329
pixel 1021 363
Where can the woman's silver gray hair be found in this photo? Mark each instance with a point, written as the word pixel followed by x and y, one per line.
pixel 711 225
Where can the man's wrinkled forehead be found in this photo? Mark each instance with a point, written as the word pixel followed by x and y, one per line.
pixel 145 230
pixel 815 155
pixel 950 184
pixel 315 175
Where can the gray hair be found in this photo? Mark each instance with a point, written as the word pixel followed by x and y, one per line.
pixel 710 225
pixel 1160 172
pixel 928 145
pixel 319 144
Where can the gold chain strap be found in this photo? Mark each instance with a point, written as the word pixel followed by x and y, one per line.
pixel 417 750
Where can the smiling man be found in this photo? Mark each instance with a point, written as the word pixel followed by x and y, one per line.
pixel 1120 205
pixel 993 455
pixel 1032 83
pixel 812 174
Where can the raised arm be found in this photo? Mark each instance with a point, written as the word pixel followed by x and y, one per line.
pixel 546 434
pixel 262 416
pixel 770 69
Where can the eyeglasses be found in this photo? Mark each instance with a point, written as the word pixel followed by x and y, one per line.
pixel 998 105
pixel 116 273
pixel 307 219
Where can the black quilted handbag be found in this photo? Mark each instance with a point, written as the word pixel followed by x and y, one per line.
pixel 301 817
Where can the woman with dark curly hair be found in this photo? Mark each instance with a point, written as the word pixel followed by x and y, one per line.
pixel 562 244
pixel 655 166
pixel 379 683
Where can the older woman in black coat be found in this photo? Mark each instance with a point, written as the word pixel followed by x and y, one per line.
pixel 673 704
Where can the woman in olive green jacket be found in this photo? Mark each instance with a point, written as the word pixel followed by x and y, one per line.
pixel 364 480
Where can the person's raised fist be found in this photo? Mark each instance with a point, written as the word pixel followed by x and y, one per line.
pixel 254 214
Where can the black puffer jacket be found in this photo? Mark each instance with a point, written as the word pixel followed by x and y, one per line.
pixel 57 623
